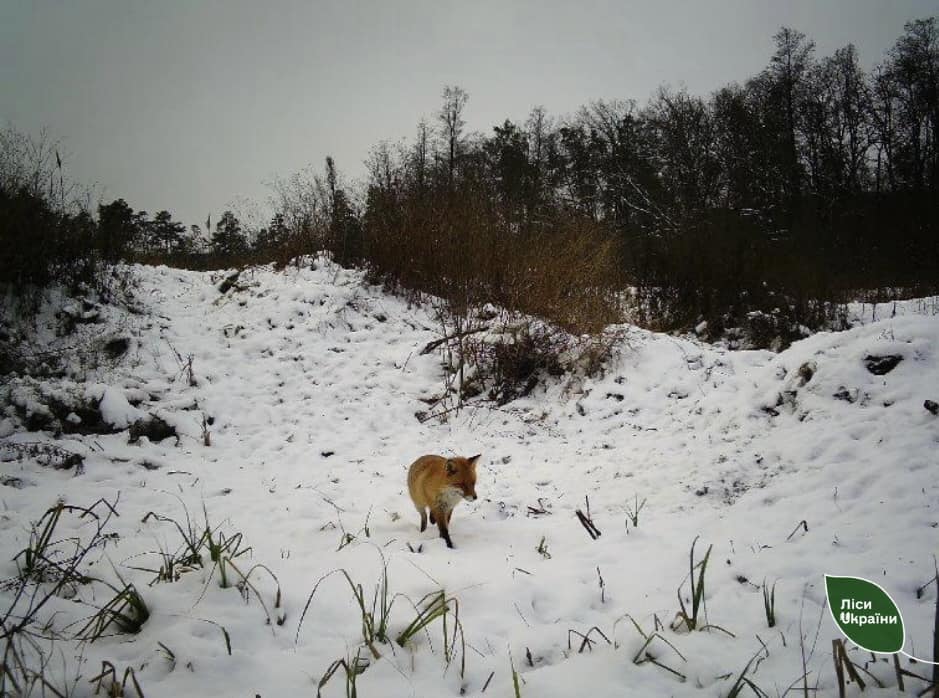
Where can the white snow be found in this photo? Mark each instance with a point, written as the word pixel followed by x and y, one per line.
pixel 115 410
pixel 312 381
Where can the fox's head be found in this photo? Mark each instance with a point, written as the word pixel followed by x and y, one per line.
pixel 461 473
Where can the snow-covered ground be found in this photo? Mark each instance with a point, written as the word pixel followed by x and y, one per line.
pixel 790 465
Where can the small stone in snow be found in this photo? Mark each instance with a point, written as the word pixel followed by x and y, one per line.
pixel 932 406
pixel 845 394
pixel 806 371
pixel 117 347
pixel 152 428
pixel 881 365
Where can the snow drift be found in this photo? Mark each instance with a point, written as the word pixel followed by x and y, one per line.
pixel 293 399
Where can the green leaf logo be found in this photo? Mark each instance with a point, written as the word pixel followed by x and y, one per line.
pixel 865 613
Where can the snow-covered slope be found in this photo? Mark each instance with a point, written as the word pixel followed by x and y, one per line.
pixel 790 465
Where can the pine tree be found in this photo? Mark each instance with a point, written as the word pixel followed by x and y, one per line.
pixel 166 234
pixel 118 229
pixel 229 238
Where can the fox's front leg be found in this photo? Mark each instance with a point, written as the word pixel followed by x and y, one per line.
pixel 424 520
pixel 442 518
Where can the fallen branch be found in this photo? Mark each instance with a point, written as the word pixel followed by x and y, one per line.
pixel 803 525
pixel 587 523
pixel 430 346
pixel 539 510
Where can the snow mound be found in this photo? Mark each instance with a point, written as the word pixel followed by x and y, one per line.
pixel 114 407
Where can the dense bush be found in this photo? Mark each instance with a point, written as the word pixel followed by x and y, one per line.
pixel 39 245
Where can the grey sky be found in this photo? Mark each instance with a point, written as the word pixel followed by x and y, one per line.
pixel 189 105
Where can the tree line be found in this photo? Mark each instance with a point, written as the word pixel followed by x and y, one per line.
pixel 775 198
pixel 50 232
pixel 810 182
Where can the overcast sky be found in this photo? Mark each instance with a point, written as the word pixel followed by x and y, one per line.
pixel 190 105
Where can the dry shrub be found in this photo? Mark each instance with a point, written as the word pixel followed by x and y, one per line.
pixel 457 247
pixel 556 285
pixel 568 276
pixel 299 245
pixel 511 364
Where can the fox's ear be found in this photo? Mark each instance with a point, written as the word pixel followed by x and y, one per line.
pixel 451 467
pixel 472 459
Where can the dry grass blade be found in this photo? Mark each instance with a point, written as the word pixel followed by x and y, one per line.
pixel 486 685
pixel 434 606
pixel 653 660
pixel 352 669
pixel 769 604
pixel 437 606
pixel 697 589
pixel 248 585
pixel 39 543
pixel 803 525
pixel 642 655
pixel 27 649
pixel 193 541
pixel 633 512
pixel 224 630
pixel 844 665
pixel 935 637
pixel 745 682
pixel 586 642
pixel 309 599
pixel 44 558
pixel 126 612
pixel 374 616
pixel 114 688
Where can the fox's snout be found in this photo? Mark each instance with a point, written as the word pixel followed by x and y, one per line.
pixel 471 497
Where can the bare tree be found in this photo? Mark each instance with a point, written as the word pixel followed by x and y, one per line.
pixel 451 120
pixel 303 201
pixel 420 156
pixel 37 165
pixel 539 129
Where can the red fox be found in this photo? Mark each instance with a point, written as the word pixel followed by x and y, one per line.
pixel 439 483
